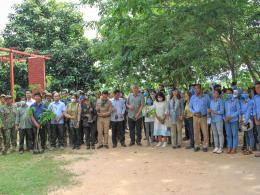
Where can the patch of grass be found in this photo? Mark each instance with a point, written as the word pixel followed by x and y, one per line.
pixel 31 174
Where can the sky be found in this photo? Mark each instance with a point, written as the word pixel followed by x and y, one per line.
pixel 90 14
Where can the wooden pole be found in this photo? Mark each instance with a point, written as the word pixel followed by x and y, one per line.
pixel 12 73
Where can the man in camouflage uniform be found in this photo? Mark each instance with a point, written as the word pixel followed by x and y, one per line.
pixel 9 131
pixel 2 101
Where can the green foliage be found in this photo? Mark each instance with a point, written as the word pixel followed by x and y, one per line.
pixel 151 113
pixel 55 28
pixel 176 42
pixel 31 110
pixel 46 117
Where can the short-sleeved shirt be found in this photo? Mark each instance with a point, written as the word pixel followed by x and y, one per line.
pixel 137 101
pixel 38 109
pixel 57 108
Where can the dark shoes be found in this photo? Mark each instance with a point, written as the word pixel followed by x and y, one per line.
pixel 205 149
pixel 106 146
pixel 131 144
pixel 123 145
pixel 100 146
pixel 139 144
pixel 114 146
pixel 196 149
pixel 188 147
pixel 88 147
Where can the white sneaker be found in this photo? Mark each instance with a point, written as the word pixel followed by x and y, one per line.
pixel 164 144
pixel 215 150
pixel 219 151
pixel 159 144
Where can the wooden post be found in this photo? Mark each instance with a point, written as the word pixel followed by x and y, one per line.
pixel 12 73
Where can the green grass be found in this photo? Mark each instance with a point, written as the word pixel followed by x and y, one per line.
pixel 31 174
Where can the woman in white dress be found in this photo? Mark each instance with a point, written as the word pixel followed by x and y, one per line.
pixel 160 128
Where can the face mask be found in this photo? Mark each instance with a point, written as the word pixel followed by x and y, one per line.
pixel 22 103
pixel 149 102
pixel 234 87
pixel 146 94
pixel 244 96
pixel 229 96
pixel 160 99
pixel 73 100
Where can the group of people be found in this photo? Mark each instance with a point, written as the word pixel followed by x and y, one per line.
pixel 210 118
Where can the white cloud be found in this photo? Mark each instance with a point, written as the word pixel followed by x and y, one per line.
pixel 90 14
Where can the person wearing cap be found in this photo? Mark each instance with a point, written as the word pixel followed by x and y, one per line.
pixel 57 125
pixel 24 126
pixel 88 114
pixel 104 109
pixel 29 100
pixel 9 133
pixel 48 99
pixel 2 101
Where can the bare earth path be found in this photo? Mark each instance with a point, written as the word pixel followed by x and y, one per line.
pixel 151 171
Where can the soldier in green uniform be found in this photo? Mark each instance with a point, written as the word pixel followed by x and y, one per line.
pixel 8 120
pixel 2 102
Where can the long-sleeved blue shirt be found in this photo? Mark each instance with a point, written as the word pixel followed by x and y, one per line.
pixel 217 106
pixel 246 107
pixel 232 109
pixel 256 107
pixel 199 104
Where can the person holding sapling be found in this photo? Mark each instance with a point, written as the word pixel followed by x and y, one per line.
pixel 73 112
pixel 24 126
pixel 39 131
pixel 149 113
pixel 57 124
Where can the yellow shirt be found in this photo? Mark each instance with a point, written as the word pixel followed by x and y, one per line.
pixel 187 111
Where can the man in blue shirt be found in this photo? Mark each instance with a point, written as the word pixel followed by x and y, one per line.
pixel 57 125
pixel 199 105
pixel 231 118
pixel 117 118
pixel 38 108
pixel 256 113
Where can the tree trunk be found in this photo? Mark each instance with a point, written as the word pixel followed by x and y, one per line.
pixel 251 72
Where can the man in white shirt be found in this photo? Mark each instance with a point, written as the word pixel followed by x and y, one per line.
pixel 117 119
pixel 29 100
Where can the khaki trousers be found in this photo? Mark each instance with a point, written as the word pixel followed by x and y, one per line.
pixel 103 128
pixel 200 124
pixel 176 133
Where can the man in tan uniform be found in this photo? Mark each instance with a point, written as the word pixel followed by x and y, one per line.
pixel 104 109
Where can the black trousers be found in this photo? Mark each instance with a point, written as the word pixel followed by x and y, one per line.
pixel 25 134
pixel 41 137
pixel 90 134
pixel 118 132
pixel 135 127
pixel 57 132
pixel 189 125
pixel 75 135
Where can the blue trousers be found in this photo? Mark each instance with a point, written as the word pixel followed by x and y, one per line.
pixel 250 140
pixel 232 134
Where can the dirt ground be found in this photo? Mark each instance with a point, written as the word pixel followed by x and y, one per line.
pixel 152 171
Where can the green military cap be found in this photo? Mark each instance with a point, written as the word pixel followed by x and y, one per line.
pixel 48 94
pixel 8 97
pixel 2 95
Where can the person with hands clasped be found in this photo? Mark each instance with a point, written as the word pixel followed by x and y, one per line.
pixel 73 112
